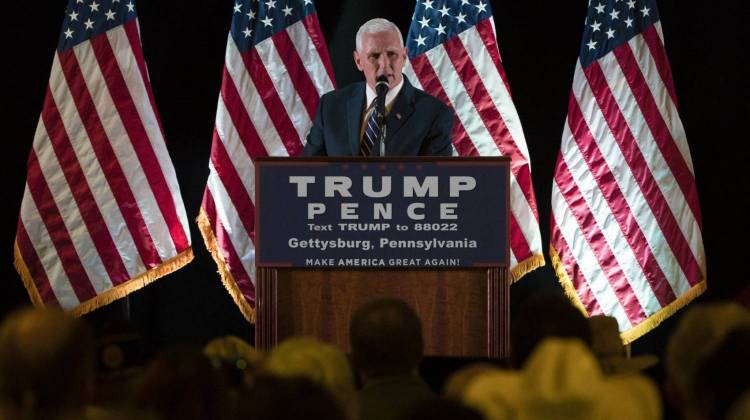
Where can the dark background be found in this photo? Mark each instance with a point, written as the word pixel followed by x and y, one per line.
pixel 184 44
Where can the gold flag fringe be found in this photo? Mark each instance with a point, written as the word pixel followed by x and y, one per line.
pixel 226 276
pixel 649 323
pixel 110 295
pixel 526 266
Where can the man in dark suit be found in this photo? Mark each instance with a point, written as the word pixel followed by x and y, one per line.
pixel 417 123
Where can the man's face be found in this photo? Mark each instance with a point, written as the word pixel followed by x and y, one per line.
pixel 382 54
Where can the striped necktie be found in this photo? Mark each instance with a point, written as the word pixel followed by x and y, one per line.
pixel 372 131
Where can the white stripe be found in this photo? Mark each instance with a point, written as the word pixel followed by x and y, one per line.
pixel 123 149
pixel 477 131
pixel 408 71
pixel 226 214
pixel 241 161
pixel 601 210
pixel 665 105
pixel 631 190
pixel 94 173
pixel 310 57
pixel 129 68
pixel 586 259
pixel 657 25
pixel 284 86
pixel 46 251
pixel 496 87
pixel 654 159
pixel 461 102
pixel 71 217
pixel 251 99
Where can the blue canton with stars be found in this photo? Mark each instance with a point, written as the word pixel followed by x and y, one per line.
pixel 610 23
pixel 436 21
pixel 255 20
pixel 85 19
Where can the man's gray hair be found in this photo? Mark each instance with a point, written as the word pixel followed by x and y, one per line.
pixel 374 26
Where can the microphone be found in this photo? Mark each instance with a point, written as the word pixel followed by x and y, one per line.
pixel 381 89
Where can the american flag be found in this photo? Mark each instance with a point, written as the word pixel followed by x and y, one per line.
pixel 275 70
pixel 101 214
pixel 626 223
pixel 454 56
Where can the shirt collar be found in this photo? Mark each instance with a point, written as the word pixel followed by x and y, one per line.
pixel 389 97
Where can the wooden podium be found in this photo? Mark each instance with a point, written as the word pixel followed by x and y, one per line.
pixel 464 311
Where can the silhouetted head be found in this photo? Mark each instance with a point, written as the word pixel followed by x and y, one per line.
pixel 386 338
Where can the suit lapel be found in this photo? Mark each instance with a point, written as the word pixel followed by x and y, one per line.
pixel 401 111
pixel 354 106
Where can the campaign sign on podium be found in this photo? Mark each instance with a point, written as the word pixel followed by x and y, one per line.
pixel 380 213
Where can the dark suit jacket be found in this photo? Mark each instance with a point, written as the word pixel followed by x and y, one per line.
pixel 417 124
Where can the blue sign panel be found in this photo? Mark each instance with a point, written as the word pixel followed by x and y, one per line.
pixel 360 213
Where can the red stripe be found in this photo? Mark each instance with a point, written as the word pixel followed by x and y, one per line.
pixel 490 43
pixel 656 47
pixel 79 189
pixel 658 127
pixel 108 160
pixel 58 233
pixel 233 183
pixel 573 270
pixel 240 118
pixel 431 84
pixel 275 108
pixel 231 258
pixel 491 117
pixel 298 74
pixel 588 226
pixel 316 36
pixel 623 214
pixel 518 242
pixel 131 31
pixel 133 124
pixel 641 173
pixel 34 265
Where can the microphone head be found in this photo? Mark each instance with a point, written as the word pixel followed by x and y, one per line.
pixel 381 85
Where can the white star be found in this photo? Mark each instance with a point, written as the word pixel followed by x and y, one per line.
pixel 645 11
pixel 287 11
pixel 237 7
pixel 592 45
pixel 247 32
pixel 631 4
pixel 73 16
pixel 464 2
pixel 481 7
pixel 115 1
pixel 610 33
pixel 250 14
pixel 94 7
pixel 424 22
pixel 271 4
pixel 308 2
pixel 599 8
pixel 268 21
pixel 615 14
pixel 420 40
pixel 89 24
pixel 444 10
pixel 130 6
pixel 68 34
pixel 440 29
pixel 110 15
pixel 595 26
pixel 629 22
pixel 461 18
pixel 79 1
pixel 427 4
